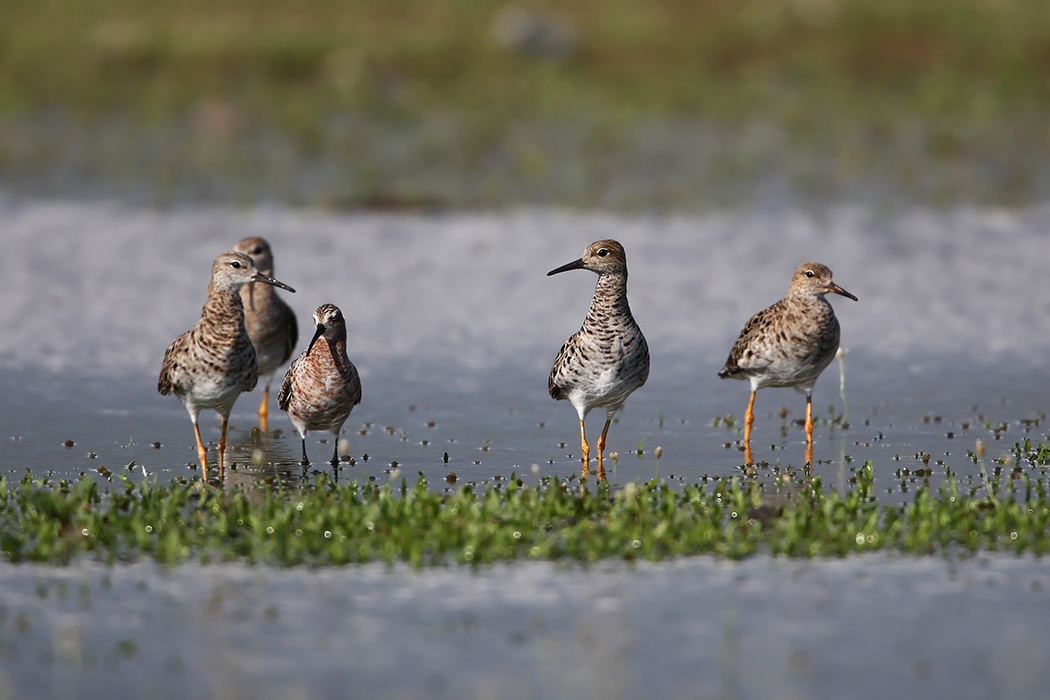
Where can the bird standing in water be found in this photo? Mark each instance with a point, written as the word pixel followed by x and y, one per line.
pixel 607 359
pixel 789 344
pixel 210 365
pixel 270 321
pixel 322 386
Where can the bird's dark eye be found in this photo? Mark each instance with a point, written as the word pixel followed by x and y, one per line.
pixel 809 273
pixel 602 252
pixel 236 265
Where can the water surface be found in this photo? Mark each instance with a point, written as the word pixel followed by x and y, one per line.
pixel 453 325
pixel 864 627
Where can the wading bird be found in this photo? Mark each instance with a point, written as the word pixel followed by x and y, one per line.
pixel 789 344
pixel 210 365
pixel 322 385
pixel 607 359
pixel 270 321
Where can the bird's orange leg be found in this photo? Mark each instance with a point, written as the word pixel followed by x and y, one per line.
pixel 601 448
pixel 809 431
pixel 749 419
pixel 202 451
pixel 222 446
pixel 264 409
pixel 585 450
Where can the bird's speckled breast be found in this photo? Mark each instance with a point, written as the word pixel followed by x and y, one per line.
pixel 608 358
pixel 324 387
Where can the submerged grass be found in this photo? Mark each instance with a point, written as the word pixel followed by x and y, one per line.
pixel 329 524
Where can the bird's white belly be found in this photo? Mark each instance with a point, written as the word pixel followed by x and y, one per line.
pixel 786 374
pixel 211 392
pixel 602 389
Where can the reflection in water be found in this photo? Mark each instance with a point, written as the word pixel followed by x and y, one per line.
pixel 269 459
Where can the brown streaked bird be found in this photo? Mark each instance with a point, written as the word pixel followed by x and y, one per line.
pixel 322 386
pixel 270 321
pixel 608 357
pixel 789 344
pixel 210 365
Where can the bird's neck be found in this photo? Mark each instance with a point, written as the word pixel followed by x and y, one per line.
pixel 334 347
pixel 815 302
pixel 610 297
pixel 337 338
pixel 223 309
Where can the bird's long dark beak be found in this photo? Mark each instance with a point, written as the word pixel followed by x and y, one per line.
pixel 574 265
pixel 839 290
pixel 317 334
pixel 260 277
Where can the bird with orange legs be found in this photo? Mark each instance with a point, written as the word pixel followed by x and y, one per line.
pixel 210 365
pixel 789 344
pixel 607 359
pixel 270 321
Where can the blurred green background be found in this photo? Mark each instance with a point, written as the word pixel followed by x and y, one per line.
pixel 626 104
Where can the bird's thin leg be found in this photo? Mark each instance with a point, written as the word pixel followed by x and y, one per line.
pixel 585 450
pixel 222 446
pixel 749 419
pixel 264 409
pixel 305 460
pixel 335 452
pixel 202 451
pixel 601 448
pixel 809 430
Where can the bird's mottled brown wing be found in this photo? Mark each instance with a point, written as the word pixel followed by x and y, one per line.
pixel 743 356
pixel 170 367
pixel 567 351
pixel 285 394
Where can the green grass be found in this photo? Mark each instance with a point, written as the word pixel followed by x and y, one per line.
pixel 416 104
pixel 295 61
pixel 327 524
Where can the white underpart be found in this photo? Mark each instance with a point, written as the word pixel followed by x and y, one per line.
pixel 208 393
pixel 783 380
pixel 603 392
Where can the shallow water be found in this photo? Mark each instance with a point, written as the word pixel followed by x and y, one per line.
pixel 454 326
pixel 863 627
